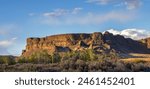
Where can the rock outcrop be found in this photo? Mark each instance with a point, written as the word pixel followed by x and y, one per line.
pixel 125 45
pixel 146 42
pixel 76 42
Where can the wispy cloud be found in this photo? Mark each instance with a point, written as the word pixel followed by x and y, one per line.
pixel 132 33
pixel 8 37
pixel 76 10
pixel 5 44
pixel 100 2
pixel 129 4
pixel 132 4
pixel 62 12
pixel 57 12
pixel 6 29
pixel 87 18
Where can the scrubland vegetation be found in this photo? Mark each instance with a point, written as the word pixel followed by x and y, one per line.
pixel 79 61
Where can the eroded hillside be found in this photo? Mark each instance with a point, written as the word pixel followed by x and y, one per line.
pixel 77 42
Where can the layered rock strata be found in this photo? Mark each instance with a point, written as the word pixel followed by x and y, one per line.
pixel 76 42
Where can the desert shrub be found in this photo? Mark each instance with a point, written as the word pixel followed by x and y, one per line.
pixel 92 55
pixel 9 60
pixel 64 64
pixel 137 67
pixel 120 67
pixel 68 65
pixel 37 57
pixel 94 66
pixel 89 55
pixel 70 55
pixel 129 66
pixel 106 65
pixel 81 66
pixel 73 65
pixel 22 60
pixel 55 58
pixel 85 55
pixel 40 57
pixel 111 55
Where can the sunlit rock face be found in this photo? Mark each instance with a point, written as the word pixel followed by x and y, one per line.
pixel 146 42
pixel 78 42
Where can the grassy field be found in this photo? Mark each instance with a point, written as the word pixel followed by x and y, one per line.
pixel 135 57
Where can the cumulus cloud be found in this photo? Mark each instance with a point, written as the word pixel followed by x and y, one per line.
pixel 89 18
pixel 132 33
pixel 129 4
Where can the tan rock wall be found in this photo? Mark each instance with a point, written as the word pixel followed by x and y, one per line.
pixel 72 42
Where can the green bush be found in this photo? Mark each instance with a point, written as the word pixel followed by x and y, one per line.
pixel 86 55
pixel 37 58
pixel 22 60
pixel 108 56
pixel 9 60
pixel 55 58
pixel 41 57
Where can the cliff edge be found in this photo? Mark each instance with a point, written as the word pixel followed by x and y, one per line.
pixel 78 42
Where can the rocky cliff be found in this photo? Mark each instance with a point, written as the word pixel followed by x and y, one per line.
pixel 76 42
pixel 146 42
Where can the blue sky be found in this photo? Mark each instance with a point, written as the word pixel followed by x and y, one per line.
pixel 20 19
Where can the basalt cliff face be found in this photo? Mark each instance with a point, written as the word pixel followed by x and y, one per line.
pixel 95 41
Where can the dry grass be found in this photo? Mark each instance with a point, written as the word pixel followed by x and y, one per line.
pixel 134 57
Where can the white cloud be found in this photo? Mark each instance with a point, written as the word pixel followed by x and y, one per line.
pixel 132 4
pixel 129 4
pixel 7 43
pixel 132 33
pixel 101 2
pixel 57 12
pixel 89 18
pixel 7 29
pixel 8 33
pixel 76 10
pixel 62 12
pixel 115 32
